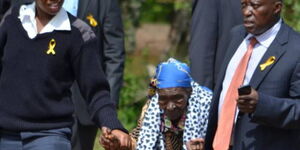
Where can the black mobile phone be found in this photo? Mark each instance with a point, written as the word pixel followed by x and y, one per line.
pixel 244 90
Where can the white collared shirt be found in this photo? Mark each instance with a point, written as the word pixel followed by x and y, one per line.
pixel 27 17
pixel 264 41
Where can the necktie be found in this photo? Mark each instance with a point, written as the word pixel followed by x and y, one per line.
pixel 226 120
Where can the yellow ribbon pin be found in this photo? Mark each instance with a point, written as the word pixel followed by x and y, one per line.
pixel 92 20
pixel 269 62
pixel 51 47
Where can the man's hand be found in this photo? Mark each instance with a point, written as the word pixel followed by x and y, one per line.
pixel 195 144
pixel 247 103
pixel 123 138
pixel 115 139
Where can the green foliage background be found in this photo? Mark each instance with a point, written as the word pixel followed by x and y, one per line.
pixel 291 13
pixel 155 11
pixel 135 12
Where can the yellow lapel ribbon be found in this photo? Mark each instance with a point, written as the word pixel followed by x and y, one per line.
pixel 92 20
pixel 269 62
pixel 51 47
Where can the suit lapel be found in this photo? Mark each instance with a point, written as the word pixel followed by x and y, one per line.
pixel 276 49
pixel 83 5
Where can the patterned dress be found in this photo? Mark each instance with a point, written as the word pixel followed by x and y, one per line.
pixel 148 136
pixel 173 141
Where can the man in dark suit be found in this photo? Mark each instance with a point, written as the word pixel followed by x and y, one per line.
pixel 104 17
pixel 267 117
pixel 210 26
pixel 107 15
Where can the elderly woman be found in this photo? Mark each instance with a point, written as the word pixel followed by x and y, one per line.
pixel 176 115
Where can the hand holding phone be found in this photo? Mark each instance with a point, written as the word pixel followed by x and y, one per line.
pixel 244 90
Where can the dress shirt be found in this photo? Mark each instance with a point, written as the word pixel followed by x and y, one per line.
pixel 264 41
pixel 27 17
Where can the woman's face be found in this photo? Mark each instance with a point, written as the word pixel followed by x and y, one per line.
pixel 49 7
pixel 173 101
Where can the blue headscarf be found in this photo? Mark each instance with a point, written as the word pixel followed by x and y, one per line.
pixel 173 73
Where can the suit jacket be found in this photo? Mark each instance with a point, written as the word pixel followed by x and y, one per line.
pixel 110 33
pixel 212 21
pixel 111 36
pixel 275 124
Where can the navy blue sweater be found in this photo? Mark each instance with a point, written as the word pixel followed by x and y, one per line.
pixel 35 86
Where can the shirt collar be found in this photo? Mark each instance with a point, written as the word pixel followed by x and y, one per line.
pixel 59 22
pixel 27 12
pixel 267 37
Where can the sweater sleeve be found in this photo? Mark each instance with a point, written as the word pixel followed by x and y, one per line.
pixel 93 84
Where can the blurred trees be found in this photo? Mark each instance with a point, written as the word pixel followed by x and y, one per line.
pixel 291 13
pixel 179 34
pixel 131 10
pixel 177 14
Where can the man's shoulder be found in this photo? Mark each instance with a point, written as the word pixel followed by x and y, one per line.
pixel 84 29
pixel 237 29
pixel 236 32
pixel 293 32
pixel 288 35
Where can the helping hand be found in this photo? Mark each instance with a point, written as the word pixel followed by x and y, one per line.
pixel 115 139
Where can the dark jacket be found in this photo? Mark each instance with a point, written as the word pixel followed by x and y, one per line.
pixel 212 21
pixel 107 13
pixel 275 124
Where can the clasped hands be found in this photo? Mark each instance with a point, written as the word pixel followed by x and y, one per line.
pixel 118 140
pixel 114 139
pixel 247 103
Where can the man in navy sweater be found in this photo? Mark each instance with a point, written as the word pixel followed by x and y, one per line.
pixel 43 51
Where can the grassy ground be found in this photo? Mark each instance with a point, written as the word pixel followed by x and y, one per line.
pixel 97 146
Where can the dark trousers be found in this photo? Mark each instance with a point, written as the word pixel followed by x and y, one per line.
pixel 83 137
pixel 54 139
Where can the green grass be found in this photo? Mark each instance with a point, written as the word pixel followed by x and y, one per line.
pixel 97 146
